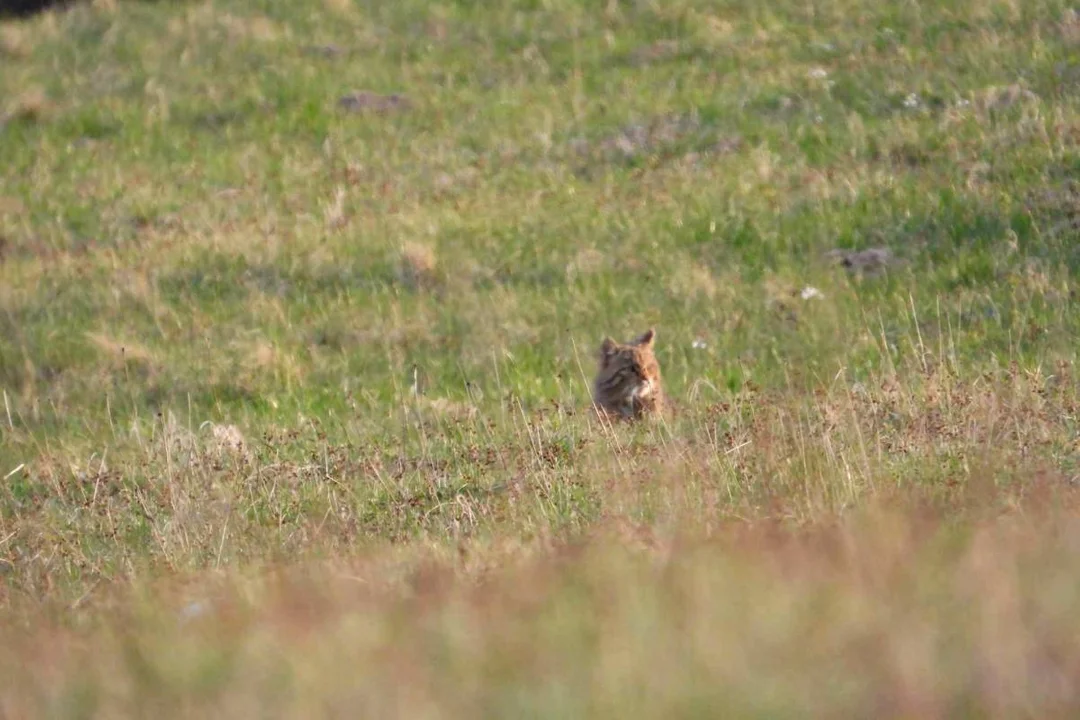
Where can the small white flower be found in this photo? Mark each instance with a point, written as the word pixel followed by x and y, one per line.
pixel 818 119
pixel 963 102
pixel 809 293
pixel 699 345
pixel 194 610
pixel 818 73
pixel 911 101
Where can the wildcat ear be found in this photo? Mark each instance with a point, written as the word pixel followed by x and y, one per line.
pixel 607 348
pixel 646 340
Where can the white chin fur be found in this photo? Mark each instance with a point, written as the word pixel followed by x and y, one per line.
pixel 644 390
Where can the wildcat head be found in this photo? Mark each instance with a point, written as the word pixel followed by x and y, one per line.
pixel 628 382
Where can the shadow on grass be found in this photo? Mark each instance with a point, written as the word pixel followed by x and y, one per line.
pixel 25 8
pixel 28 8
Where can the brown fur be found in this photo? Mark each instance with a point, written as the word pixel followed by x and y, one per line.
pixel 628 383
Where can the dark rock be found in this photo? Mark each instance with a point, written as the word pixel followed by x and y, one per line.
pixel 869 261
pixel 365 101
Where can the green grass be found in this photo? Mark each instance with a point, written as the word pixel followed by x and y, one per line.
pixel 864 504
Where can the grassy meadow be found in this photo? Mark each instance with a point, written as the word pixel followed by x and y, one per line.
pixel 299 308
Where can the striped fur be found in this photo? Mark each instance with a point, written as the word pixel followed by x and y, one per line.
pixel 628 382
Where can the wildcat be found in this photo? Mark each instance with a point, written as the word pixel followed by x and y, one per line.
pixel 628 382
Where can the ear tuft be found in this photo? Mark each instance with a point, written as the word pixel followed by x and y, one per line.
pixel 607 348
pixel 647 338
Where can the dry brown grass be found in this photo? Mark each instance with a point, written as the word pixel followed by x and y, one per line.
pixel 900 545
pixel 417 266
pixel 890 611
pixel 33 105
